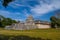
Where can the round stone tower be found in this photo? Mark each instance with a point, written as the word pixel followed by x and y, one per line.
pixel 29 19
pixel 30 22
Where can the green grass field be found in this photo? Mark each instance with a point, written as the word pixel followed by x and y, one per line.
pixel 53 34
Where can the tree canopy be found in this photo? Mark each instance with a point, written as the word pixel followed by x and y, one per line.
pixel 6 21
pixel 5 2
pixel 55 20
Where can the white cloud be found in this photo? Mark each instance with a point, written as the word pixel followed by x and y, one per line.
pixel 15 4
pixel 14 15
pixel 19 5
pixel 25 13
pixel 4 13
pixel 18 19
pixel 44 8
pixel 9 14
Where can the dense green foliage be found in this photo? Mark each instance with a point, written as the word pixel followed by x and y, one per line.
pixel 6 21
pixel 55 22
pixel 6 2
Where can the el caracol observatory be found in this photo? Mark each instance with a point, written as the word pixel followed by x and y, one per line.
pixel 29 24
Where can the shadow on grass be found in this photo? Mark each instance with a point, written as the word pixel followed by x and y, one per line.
pixel 21 37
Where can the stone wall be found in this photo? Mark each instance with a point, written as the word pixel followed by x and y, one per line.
pixel 42 26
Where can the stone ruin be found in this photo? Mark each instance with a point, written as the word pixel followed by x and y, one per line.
pixel 27 25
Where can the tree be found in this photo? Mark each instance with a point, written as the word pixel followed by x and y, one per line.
pixel 1 18
pixel 0 24
pixel 57 15
pixel 6 21
pixel 55 22
pixel 58 23
pixel 10 21
pixel 6 2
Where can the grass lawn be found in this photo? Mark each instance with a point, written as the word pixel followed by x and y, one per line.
pixel 53 34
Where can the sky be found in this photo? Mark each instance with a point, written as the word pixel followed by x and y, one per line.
pixel 39 9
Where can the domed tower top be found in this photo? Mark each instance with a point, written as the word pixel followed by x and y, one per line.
pixel 30 18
